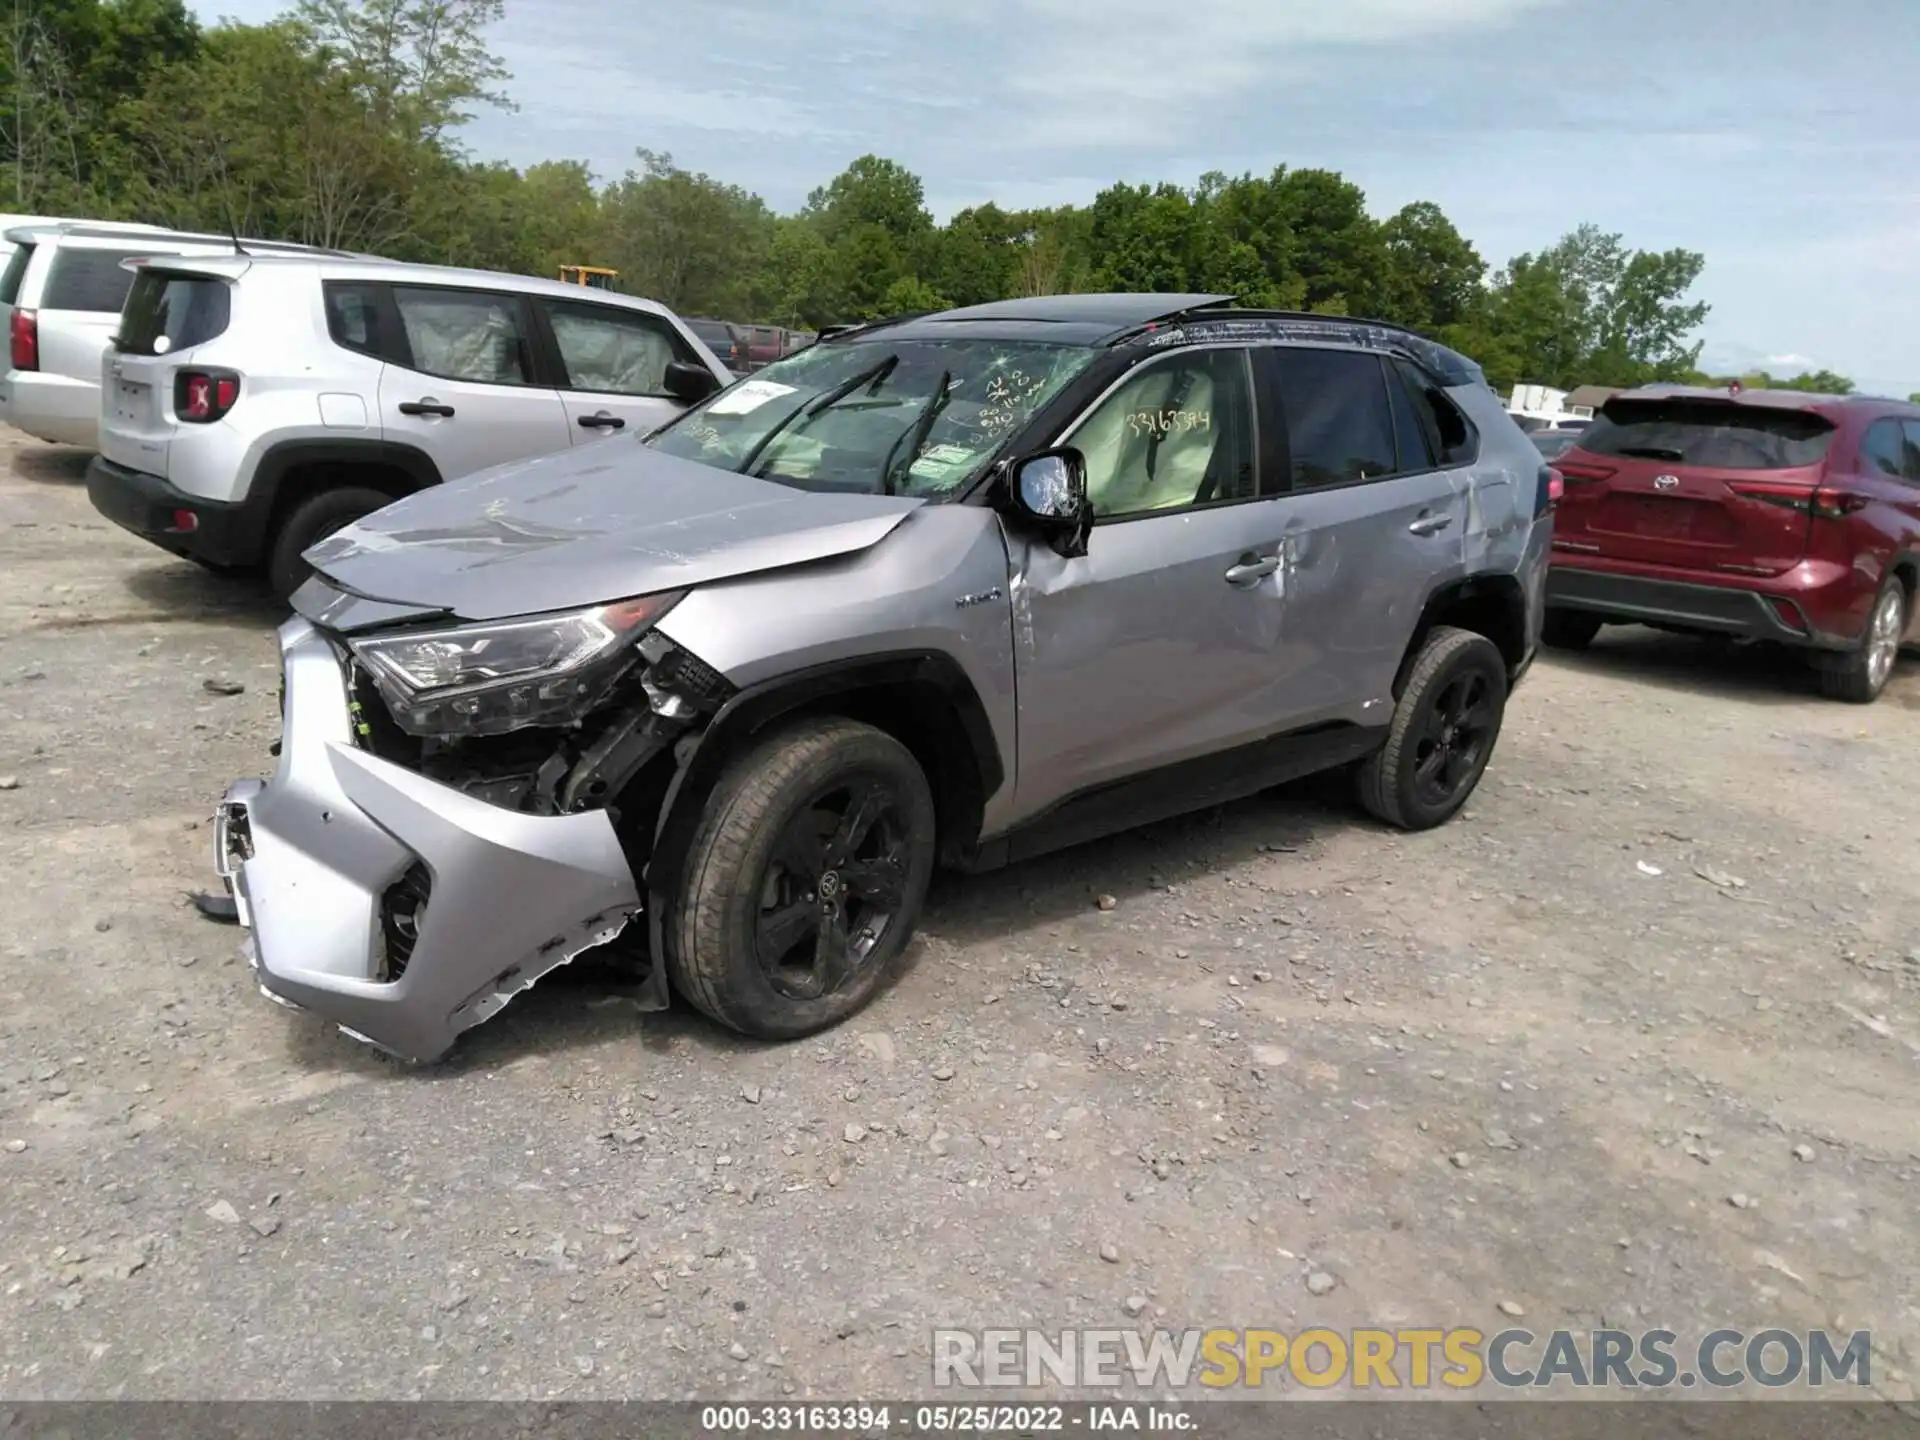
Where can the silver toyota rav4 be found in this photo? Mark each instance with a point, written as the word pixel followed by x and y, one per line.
pixel 954 589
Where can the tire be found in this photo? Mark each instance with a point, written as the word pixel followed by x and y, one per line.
pixel 1456 674
pixel 1859 676
pixel 757 869
pixel 310 522
pixel 1569 629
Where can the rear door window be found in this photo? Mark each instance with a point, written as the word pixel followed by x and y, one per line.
pixel 477 335
pixel 1339 423
pixel 85 278
pixel 1416 437
pixel 168 313
pixel 15 272
pixel 1720 436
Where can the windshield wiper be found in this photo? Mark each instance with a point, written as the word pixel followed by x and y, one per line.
pixel 1652 452
pixel 873 375
pixel 919 431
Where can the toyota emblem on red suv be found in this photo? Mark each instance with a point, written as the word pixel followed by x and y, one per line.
pixel 1666 482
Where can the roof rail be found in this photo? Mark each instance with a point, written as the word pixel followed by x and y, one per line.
pixel 1447 365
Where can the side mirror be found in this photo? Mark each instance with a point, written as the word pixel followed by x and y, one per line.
pixel 1049 492
pixel 689 383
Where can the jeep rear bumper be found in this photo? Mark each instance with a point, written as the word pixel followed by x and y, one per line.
pixel 319 857
pixel 190 526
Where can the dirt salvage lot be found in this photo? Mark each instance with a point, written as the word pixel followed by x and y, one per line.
pixel 1632 1042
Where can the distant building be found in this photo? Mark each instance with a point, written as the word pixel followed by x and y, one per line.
pixel 1588 399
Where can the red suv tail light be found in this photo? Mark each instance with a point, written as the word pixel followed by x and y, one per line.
pixel 1582 472
pixel 26 340
pixel 1823 502
pixel 201 397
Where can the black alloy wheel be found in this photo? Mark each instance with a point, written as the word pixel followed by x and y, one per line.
pixel 836 883
pixel 1451 747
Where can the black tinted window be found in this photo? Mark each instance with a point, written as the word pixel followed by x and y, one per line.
pixel 86 279
pixel 1415 439
pixel 1723 436
pixel 1882 448
pixel 353 317
pixel 1339 424
pixel 1910 450
pixel 16 271
pixel 184 310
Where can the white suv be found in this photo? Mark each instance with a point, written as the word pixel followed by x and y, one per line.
pixel 60 298
pixel 253 406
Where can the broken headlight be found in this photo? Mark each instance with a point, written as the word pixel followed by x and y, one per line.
pixel 504 675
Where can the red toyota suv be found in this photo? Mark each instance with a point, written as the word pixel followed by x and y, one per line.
pixel 1759 513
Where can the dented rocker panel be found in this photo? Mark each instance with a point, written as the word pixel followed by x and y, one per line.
pixel 311 855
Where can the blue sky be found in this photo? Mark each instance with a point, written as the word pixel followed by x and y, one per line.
pixel 1778 137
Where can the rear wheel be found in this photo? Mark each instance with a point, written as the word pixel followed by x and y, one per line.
pixel 310 522
pixel 803 880
pixel 1442 735
pixel 1861 675
pixel 1569 629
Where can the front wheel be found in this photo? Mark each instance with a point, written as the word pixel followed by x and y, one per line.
pixel 1442 735
pixel 1861 675
pixel 803 881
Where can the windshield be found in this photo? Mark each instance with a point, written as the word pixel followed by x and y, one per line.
pixel 909 417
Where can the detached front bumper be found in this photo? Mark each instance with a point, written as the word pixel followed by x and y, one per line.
pixel 318 857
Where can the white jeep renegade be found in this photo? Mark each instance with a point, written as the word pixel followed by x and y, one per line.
pixel 252 406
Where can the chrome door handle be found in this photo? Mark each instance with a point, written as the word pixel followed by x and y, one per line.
pixel 1430 524
pixel 1252 571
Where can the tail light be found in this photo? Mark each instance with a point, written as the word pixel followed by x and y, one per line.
pixel 201 397
pixel 1583 472
pixel 1823 502
pixel 1551 488
pixel 26 340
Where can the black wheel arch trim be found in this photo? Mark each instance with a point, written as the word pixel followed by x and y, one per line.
pixel 1502 589
pixel 283 458
pixel 757 708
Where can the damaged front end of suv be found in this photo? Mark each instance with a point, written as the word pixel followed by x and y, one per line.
pixel 459 808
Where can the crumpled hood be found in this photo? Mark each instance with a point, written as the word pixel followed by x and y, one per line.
pixel 599 522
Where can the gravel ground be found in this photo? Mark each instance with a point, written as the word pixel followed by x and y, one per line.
pixel 1633 1041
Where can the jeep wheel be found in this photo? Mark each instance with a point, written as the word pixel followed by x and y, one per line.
pixel 1442 735
pixel 1860 675
pixel 1569 629
pixel 310 522
pixel 803 880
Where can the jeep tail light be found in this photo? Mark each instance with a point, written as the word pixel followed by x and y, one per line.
pixel 201 397
pixel 26 340
pixel 1822 502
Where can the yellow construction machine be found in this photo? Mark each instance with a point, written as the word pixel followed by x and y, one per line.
pixel 597 276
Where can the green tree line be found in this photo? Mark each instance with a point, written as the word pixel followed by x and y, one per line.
pixel 337 125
